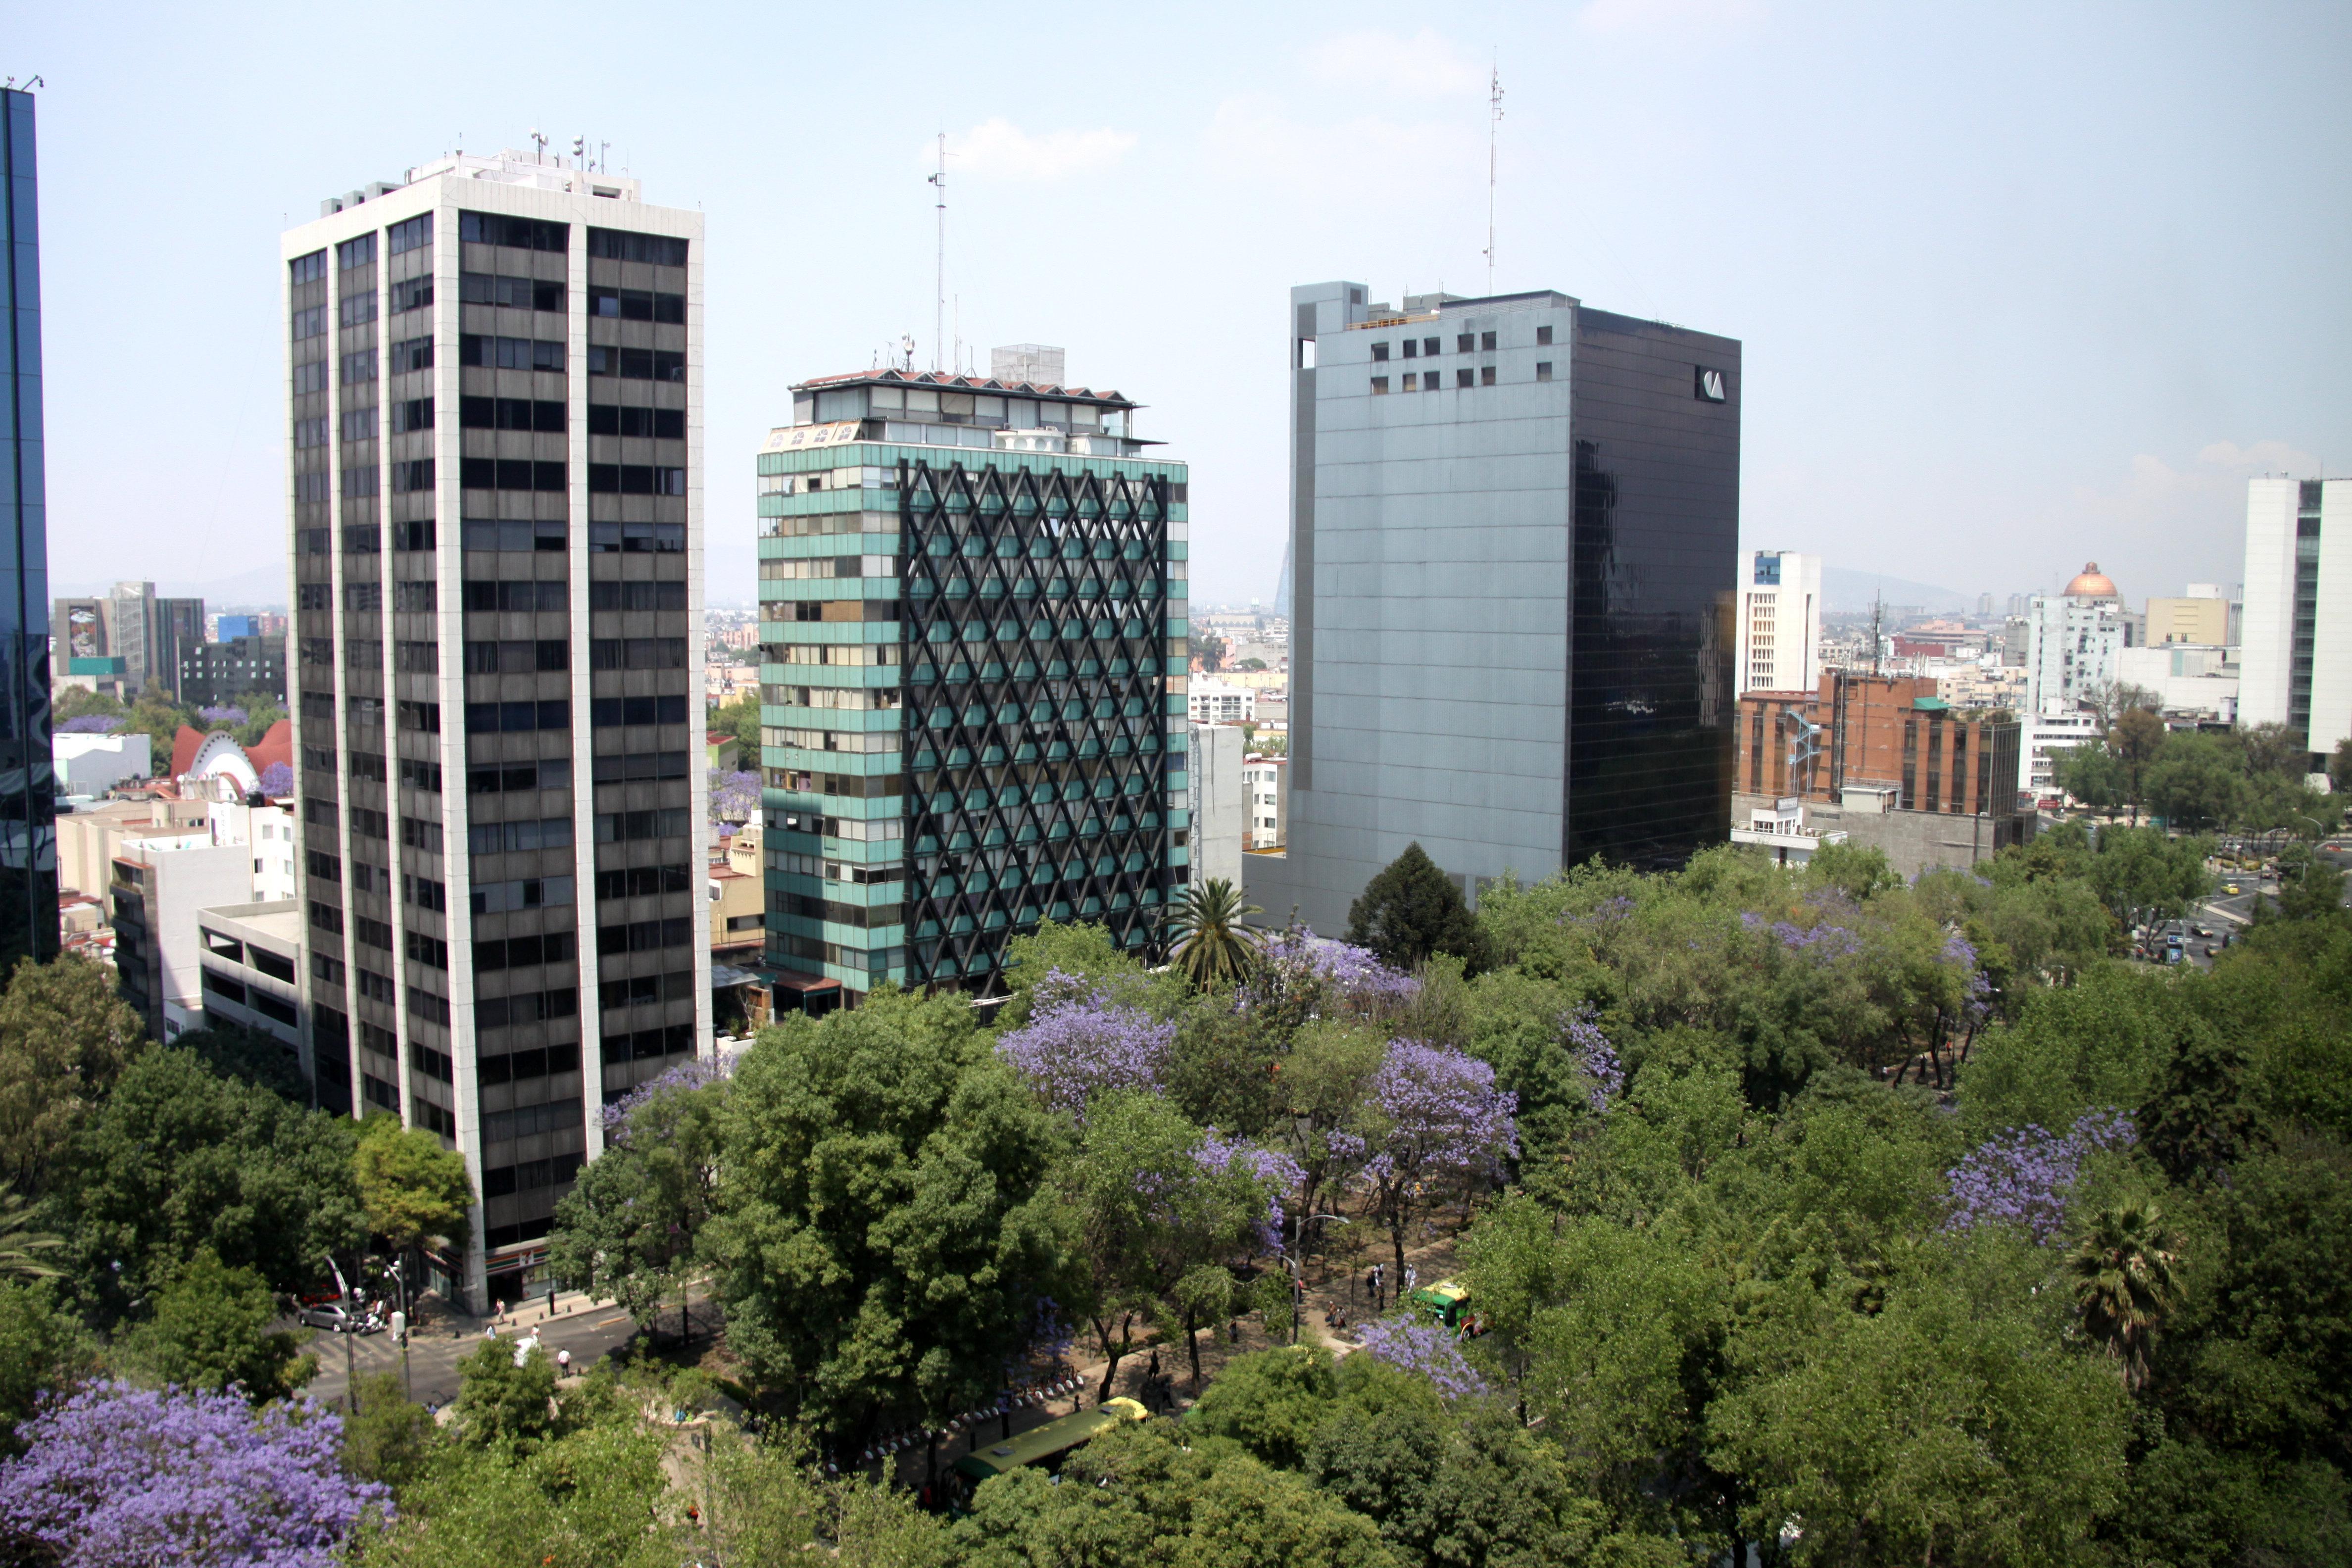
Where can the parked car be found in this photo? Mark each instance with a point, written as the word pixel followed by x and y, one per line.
pixel 337 1317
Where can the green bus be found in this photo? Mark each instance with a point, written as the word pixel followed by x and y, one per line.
pixel 1050 1444
pixel 1447 1301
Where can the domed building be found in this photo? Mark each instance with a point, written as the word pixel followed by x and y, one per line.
pixel 2091 582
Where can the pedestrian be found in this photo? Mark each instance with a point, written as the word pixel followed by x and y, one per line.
pixel 1153 1371
pixel 564 1364
pixel 1412 1277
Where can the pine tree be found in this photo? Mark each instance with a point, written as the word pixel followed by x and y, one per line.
pixel 1411 910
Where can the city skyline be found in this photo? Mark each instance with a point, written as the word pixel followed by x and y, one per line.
pixel 2123 353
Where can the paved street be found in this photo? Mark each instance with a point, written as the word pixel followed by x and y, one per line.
pixel 587 1330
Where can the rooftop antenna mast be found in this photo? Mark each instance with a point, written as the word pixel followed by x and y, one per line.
pixel 1877 614
pixel 1493 134
pixel 939 295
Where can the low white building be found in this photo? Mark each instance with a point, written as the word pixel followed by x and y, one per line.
pixel 251 964
pixel 2186 677
pixel 1265 786
pixel 93 764
pixel 2041 738
pixel 1216 702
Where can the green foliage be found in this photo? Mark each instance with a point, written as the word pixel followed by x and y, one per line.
pixel 1224 1067
pixel 212 1327
pixel 886 1233
pixel 506 1397
pixel 592 1498
pixel 180 1158
pixel 2101 1043
pixel 1140 1496
pixel 1409 910
pixel 64 1037
pixel 1210 940
pixel 2197 1125
pixel 411 1188
pixel 739 721
pixel 2196 783
pixel 1084 952
pixel 2093 775
pixel 44 1348
pixel 256 1058
pixel 1271 1404
pixel 391 1440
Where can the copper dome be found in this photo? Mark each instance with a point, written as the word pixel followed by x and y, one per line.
pixel 2092 584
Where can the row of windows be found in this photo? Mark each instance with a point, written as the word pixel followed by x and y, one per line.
pixel 311 376
pixel 662 424
pixel 511 413
pixel 628 827
pixel 528 1120
pixel 645 1045
pixel 412 233
pixel 636 364
pixel 510 474
pixel 640 989
pixel 483 597
pixel 411 353
pixel 308 268
pixel 530 1007
pixel 517 657
pixel 636 305
pixel 483 352
pixel 501 1181
pixel 429 951
pixel 356 310
pixel 541 1062
pixel 608 595
pixel 637 653
pixel 522 951
pixel 516 837
pixel 516 233
pixel 550 773
pixel 1435 380
pixel 310 323
pixel 604 538
pixel 645 936
pixel 1464 342
pixel 527 893
pixel 634 480
pixel 514 294
pixel 508 718
pixel 411 294
pixel 355 252
pixel 642 881
pixel 620 244
pixel 633 767
pixel 613 711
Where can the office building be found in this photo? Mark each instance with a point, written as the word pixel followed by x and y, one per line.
pixel 2201 617
pixel 2046 738
pixel 973 606
pixel 1879 760
pixel 121 642
pixel 250 965
pixel 2296 657
pixel 229 629
pixel 214 674
pixel 494 369
pixel 1217 701
pixel 28 834
pixel 1515 533
pixel 1781 622
pixel 2072 639
pixel 1219 799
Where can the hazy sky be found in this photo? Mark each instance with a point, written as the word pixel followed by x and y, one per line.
pixel 2018 286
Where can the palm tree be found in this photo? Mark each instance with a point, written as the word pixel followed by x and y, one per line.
pixel 2125 1282
pixel 1212 946
pixel 19 1241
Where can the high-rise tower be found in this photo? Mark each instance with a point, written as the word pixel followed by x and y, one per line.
pixel 28 826
pixel 973 598
pixel 2295 662
pixel 1515 535
pixel 495 396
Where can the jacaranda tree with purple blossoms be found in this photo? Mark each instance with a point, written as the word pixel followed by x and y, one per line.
pixel 734 796
pixel 1433 1350
pixel 1079 1045
pixel 118 1477
pixel 1434 1121
pixel 2026 1176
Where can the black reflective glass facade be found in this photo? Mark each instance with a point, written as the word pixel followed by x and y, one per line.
pixel 1654 421
pixel 29 834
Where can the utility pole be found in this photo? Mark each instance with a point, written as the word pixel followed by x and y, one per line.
pixel 940 291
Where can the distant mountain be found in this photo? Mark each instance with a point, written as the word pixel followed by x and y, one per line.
pixel 1844 589
pixel 260 588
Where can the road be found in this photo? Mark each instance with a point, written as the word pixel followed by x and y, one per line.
pixel 589 1330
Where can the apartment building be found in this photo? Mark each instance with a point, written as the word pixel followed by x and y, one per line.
pixel 1781 622
pixel 2296 660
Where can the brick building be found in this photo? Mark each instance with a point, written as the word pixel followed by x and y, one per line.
pixel 1882 761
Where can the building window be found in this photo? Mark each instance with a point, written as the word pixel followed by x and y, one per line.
pixel 510 354
pixel 309 433
pixel 1410 382
pixel 1465 377
pixel 662 424
pixel 637 305
pixel 1486 376
pixel 1379 386
pixel 1543 335
pixel 413 234
pixel 1428 346
pixel 307 269
pixel 1411 347
pixel 516 233
pixel 414 414
pixel 412 353
pixel 634 480
pixel 311 376
pixel 1543 369
pixel 1465 342
pixel 415 476
pixel 1432 381
pixel 514 294
pixel 360 366
pixel 358 423
pixel 357 309
pixel 1380 351
pixel 636 364
pixel 310 323
pixel 356 252
pixel 661 250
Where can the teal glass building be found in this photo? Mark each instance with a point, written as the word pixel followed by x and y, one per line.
pixel 973 619
pixel 28 820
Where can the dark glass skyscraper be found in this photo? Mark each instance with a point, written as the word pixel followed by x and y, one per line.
pixel 28 828
pixel 1514 533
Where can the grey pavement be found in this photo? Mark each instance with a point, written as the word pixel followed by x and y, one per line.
pixel 589 1330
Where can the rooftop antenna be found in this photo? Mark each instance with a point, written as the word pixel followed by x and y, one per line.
pixel 579 153
pixel 907 350
pixel 939 294
pixel 1877 613
pixel 1494 133
pixel 541 143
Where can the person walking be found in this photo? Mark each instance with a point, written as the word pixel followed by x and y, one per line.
pixel 564 1364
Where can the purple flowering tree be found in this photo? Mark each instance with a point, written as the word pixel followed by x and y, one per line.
pixel 1595 1057
pixel 1429 1349
pixel 227 715
pixel 2025 1177
pixel 1079 1044
pixel 1433 1116
pixel 1301 976
pixel 118 1477
pixel 92 724
pixel 277 781
pixel 734 797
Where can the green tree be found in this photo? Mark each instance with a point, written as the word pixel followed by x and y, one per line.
pixel 251 1055
pixel 2127 1283
pixel 2274 749
pixel 2136 737
pixel 213 1328
pixel 1149 1207
pixel 2339 768
pixel 884 1236
pixel 410 1189
pixel 64 1037
pixel 391 1440
pixel 596 1498
pixel 1083 952
pixel 1140 1496
pixel 739 721
pixel 2092 774
pixel 180 1158
pixel 2196 783
pixel 2197 1123
pixel 26 1253
pixel 629 1228
pixel 505 1398
pixel 2144 873
pixel 44 1350
pixel 1209 939
pixel 1409 910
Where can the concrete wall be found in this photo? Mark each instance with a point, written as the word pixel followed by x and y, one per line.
pixel 1912 841
pixel 93 764
pixel 1220 803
